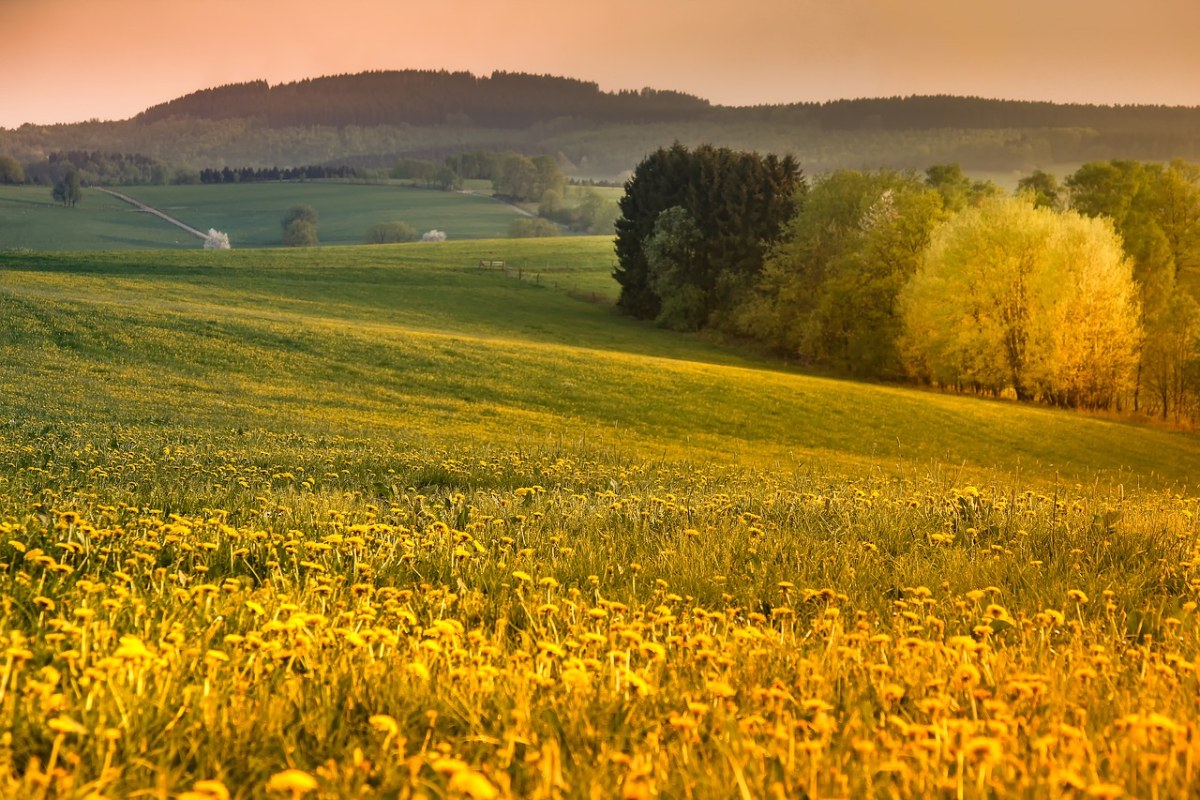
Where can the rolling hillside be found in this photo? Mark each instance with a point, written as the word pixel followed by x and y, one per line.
pixel 415 339
pixel 249 213
pixel 375 522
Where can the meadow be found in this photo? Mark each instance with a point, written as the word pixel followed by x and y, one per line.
pixel 375 522
pixel 250 213
pixel 31 220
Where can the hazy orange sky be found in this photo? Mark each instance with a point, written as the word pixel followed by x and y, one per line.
pixel 69 60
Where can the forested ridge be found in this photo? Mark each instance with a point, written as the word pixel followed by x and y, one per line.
pixel 418 97
pixel 370 120
pixel 504 99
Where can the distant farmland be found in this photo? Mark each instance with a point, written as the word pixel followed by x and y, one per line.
pixel 249 213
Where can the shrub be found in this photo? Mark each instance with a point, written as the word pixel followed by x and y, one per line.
pixel 391 233
pixel 299 233
pixel 532 227
pixel 300 226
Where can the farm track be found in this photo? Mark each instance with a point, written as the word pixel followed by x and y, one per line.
pixel 149 210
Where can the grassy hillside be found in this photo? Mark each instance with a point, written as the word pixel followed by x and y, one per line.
pixel 373 522
pixel 249 213
pixel 30 219
pixel 420 327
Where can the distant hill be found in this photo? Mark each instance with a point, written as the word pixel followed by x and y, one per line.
pixel 374 118
pixel 505 99
pixel 418 97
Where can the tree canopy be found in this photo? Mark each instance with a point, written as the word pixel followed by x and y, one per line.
pixel 68 190
pixel 827 293
pixel 11 170
pixel 1010 297
pixel 300 226
pixel 738 202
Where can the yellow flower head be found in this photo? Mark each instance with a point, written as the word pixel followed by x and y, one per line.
pixel 295 781
pixel 212 789
pixel 474 785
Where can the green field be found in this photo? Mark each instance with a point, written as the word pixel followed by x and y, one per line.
pixel 374 522
pixel 249 213
pixel 422 325
pixel 30 219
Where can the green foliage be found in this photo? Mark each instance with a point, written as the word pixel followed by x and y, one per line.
pixel 738 201
pixel 589 211
pixel 671 250
pixel 828 289
pixel 67 189
pixel 300 233
pixel 427 174
pixel 1010 297
pixel 300 226
pixel 302 213
pixel 392 233
pixel 11 170
pixel 527 179
pixel 1156 210
pixel 95 167
pixel 532 227
pixel 1043 190
pixel 1170 365
pixel 957 190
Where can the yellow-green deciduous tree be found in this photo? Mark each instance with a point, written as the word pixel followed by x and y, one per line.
pixel 1010 297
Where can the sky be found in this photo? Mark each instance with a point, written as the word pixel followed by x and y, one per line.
pixel 72 60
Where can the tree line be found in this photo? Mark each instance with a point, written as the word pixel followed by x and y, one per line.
pixel 310 172
pixel 507 99
pixel 1078 294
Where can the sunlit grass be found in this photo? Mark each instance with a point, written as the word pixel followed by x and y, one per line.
pixel 373 522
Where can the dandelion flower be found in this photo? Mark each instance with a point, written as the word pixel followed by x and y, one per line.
pixel 966 677
pixel 295 781
pixel 212 789
pixel 64 724
pixel 385 723
pixel 474 785
pixel 721 689
pixel 449 766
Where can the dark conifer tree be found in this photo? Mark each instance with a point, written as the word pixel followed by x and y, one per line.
pixel 738 201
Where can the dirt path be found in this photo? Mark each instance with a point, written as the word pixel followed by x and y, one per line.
pixel 143 207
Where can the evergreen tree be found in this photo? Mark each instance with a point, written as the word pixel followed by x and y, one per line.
pixel 737 201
